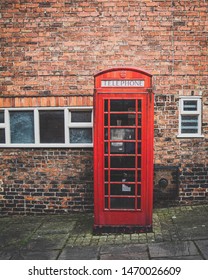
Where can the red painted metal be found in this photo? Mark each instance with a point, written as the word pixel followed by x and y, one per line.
pixel 123 180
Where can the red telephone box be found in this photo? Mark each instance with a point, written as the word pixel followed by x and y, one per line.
pixel 123 151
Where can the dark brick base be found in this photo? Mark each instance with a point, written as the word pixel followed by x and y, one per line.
pixel 46 181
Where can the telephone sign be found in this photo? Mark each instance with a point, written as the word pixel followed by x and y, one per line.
pixel 123 150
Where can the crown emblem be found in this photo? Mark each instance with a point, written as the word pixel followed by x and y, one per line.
pixel 123 74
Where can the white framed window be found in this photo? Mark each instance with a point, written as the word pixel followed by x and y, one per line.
pixel 46 127
pixel 190 117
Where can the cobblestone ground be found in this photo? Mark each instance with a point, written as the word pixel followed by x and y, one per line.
pixel 178 232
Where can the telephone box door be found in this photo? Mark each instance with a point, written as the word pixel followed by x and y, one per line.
pixel 123 150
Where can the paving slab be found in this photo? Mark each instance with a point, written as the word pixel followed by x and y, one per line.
pixel 172 249
pixel 80 253
pixel 124 252
pixel 35 255
pixel 203 247
pixel 46 242
pixel 9 237
pixel 53 227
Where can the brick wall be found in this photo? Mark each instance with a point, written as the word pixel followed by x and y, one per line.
pixel 51 49
pixel 46 181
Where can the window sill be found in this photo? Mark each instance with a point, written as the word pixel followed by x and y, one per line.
pixel 31 146
pixel 190 136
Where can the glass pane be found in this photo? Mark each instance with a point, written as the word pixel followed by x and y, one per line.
pixel 139 105
pixel 106 175
pixel 139 176
pixel 122 119
pixel 122 105
pixel 81 116
pixel 106 119
pixel 139 120
pixel 22 127
pixel 122 133
pixel 189 124
pixel 106 202
pixel 122 203
pixel 106 106
pixel 52 126
pixel 121 176
pixel 122 162
pixel 139 148
pixel 190 105
pixel 139 134
pixel 122 189
pixel 139 190
pixel 1 117
pixel 80 135
pixel 2 136
pixel 121 148
pixel 138 203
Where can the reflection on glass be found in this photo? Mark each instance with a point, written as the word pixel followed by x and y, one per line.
pixel 122 133
pixel 80 135
pixel 22 127
pixel 122 105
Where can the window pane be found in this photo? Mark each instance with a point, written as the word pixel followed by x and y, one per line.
pixel 22 127
pixel 52 126
pixel 80 135
pixel 2 136
pixel 122 162
pixel 122 119
pixel 189 124
pixel 122 134
pixel 81 116
pixel 122 105
pixel 190 105
pixel 122 203
pixel 1 117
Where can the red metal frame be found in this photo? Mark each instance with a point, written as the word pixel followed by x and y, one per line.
pixel 139 215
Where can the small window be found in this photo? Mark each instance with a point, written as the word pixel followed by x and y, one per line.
pixel 190 117
pixel 80 127
pixel 81 117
